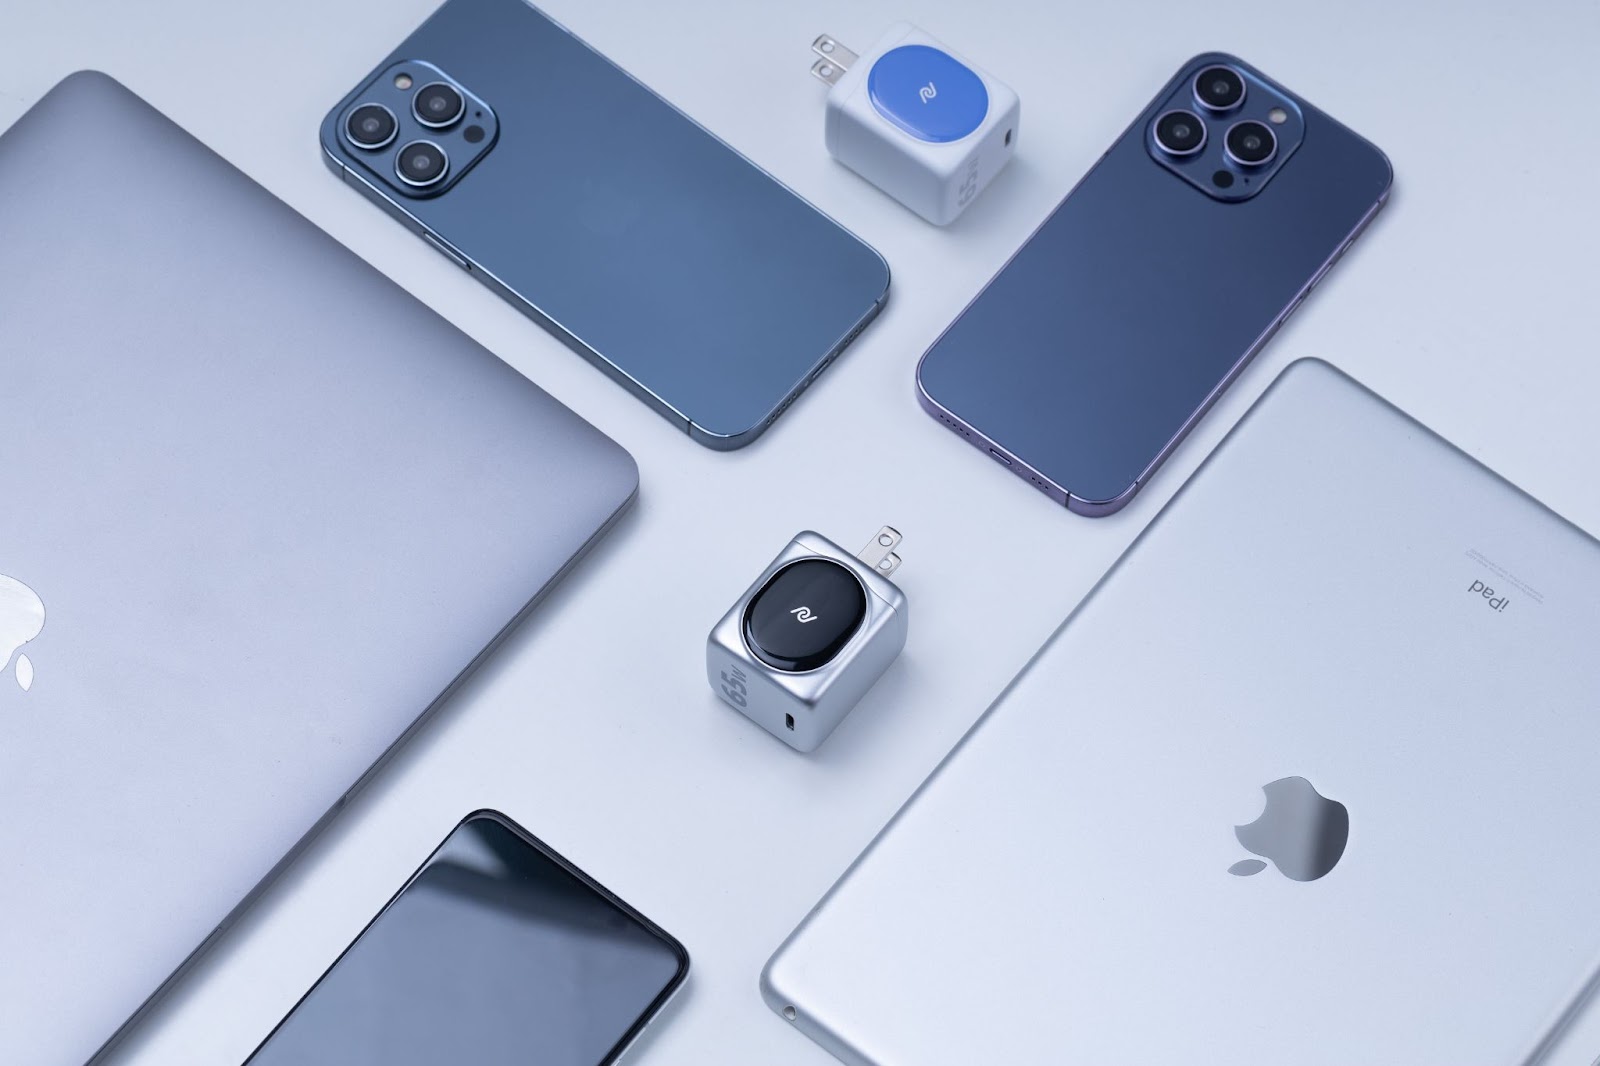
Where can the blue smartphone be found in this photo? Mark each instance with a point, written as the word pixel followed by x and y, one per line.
pixel 671 262
pixel 1096 349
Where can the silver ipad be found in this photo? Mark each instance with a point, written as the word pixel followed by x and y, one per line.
pixel 1308 778
pixel 259 509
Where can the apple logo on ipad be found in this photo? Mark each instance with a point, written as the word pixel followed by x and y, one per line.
pixel 1301 831
pixel 21 619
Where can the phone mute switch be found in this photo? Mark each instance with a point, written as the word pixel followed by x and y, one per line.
pixel 1002 460
pixel 448 252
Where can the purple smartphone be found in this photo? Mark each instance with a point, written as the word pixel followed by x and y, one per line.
pixel 1096 349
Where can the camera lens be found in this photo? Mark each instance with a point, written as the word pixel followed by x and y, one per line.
pixel 1219 88
pixel 370 126
pixel 421 164
pixel 437 105
pixel 1180 133
pixel 1251 143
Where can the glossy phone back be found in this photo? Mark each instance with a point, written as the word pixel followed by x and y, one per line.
pixel 1093 352
pixel 652 248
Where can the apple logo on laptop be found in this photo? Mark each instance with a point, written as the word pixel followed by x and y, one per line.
pixel 1301 831
pixel 21 619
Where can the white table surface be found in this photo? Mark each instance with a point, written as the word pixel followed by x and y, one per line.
pixel 1471 304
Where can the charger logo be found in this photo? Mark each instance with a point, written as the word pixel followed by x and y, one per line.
pixel 803 614
pixel 733 687
pixel 928 92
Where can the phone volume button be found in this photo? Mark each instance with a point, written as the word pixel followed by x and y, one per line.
pixel 448 252
pixel 1300 299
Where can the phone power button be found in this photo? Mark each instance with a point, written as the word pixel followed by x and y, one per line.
pixel 448 252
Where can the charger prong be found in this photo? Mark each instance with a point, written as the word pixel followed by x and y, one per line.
pixel 830 49
pixel 879 552
pixel 827 70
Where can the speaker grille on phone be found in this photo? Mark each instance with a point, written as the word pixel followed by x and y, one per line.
pixel 1016 468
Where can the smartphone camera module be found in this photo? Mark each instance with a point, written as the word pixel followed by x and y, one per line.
pixel 1219 88
pixel 412 129
pixel 370 127
pixel 1180 133
pixel 1223 129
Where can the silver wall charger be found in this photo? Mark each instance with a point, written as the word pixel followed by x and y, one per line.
pixel 807 640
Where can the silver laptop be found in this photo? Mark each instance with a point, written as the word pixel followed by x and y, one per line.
pixel 1308 778
pixel 259 508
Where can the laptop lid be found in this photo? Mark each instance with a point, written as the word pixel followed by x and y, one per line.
pixel 261 508
pixel 1348 639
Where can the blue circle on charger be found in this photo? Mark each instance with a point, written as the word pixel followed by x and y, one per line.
pixel 927 94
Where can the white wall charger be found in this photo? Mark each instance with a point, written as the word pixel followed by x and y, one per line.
pixel 915 119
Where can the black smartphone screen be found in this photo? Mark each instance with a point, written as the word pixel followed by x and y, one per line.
pixel 496 953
